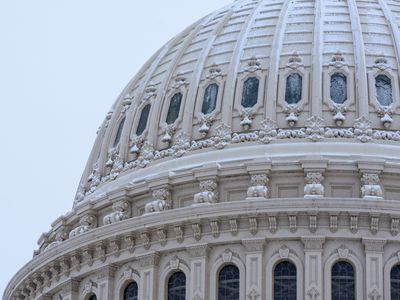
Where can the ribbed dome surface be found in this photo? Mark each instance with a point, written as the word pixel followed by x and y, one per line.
pixel 267 40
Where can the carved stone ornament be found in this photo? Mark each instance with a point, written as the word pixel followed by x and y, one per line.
pixel 247 116
pixel 315 128
pixel 295 61
pixel 314 188
pixel 284 252
pixel 169 131
pixel 386 113
pixel 223 136
pixel 146 240
pixel 253 65
pixel 338 60
pixel 80 194
pixel 313 242
pixel 233 224
pixel 161 198
pixel 136 144
pixel 214 224
pixel 371 188
pixel 293 223
pixel 343 252
pixel 208 194
pixel 115 246
pixel 253 225
pixel 94 178
pixel 114 165
pixel 179 233
pixel 179 81
pixel 292 112
pixel 259 186
pixel 205 122
pixel 130 243
pixel 87 223
pixel 268 131
pixel 162 236
pixel 149 261
pixel 374 295
pixel 394 226
pixel 339 113
pixel 313 293
pixel 363 129
pixel 181 144
pixel 313 223
pixel 121 212
pixel 174 263
pixel 333 223
pixel 381 63
pixel 354 224
pixel 126 104
pixel 374 224
pixel 61 236
pixel 196 227
pixel 253 295
pixel 227 256
pixel 273 224
pixel 150 91
pixel 214 72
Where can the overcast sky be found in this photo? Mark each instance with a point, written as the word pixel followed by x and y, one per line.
pixel 62 65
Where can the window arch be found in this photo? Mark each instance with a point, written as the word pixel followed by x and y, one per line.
pixel 285 281
pixel 143 119
pixel 338 88
pixel 177 286
pixel 174 108
pixel 131 291
pixel 229 283
pixel 395 282
pixel 119 133
pixel 210 99
pixel 294 86
pixel 343 281
pixel 250 92
pixel 383 87
pixel 93 297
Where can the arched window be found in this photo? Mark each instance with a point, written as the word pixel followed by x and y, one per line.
pixel 250 92
pixel 383 86
pixel 143 119
pixel 229 283
pixel 210 99
pixel 285 281
pixel 343 281
pixel 338 88
pixel 395 282
pixel 294 84
pixel 177 286
pixel 93 297
pixel 119 132
pixel 131 291
pixel 174 107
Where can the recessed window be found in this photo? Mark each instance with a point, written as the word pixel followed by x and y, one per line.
pixel 174 107
pixel 210 99
pixel 395 282
pixel 177 286
pixel 383 86
pixel 229 283
pixel 143 119
pixel 294 83
pixel 94 297
pixel 119 132
pixel 343 281
pixel 285 281
pixel 338 88
pixel 131 291
pixel 250 92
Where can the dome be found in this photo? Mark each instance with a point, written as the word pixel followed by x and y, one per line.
pixel 254 156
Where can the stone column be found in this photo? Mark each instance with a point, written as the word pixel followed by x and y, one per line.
pixel 198 288
pixel 148 276
pixel 313 273
pixel 374 267
pixel 105 283
pixel 70 290
pixel 254 268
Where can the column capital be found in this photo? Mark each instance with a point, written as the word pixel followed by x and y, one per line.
pixel 374 245
pixel 313 243
pixel 70 286
pixel 149 260
pixel 254 245
pixel 198 251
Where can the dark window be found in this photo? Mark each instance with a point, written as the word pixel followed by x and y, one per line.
pixel 383 86
pixel 210 99
pixel 229 283
pixel 285 281
pixel 294 84
pixel 395 282
pixel 338 88
pixel 343 284
pixel 131 291
pixel 250 92
pixel 119 132
pixel 174 107
pixel 177 286
pixel 143 119
pixel 94 297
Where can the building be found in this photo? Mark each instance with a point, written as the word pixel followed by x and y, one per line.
pixel 255 156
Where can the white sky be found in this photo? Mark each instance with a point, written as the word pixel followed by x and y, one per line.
pixel 62 65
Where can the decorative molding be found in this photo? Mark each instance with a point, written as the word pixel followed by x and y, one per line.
pixel 259 186
pixel 254 245
pixel 284 252
pixel 208 193
pixel 371 188
pixel 343 252
pixel 374 245
pixel 313 242
pixel 314 188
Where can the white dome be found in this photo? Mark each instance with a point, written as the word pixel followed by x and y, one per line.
pixel 268 40
pixel 281 145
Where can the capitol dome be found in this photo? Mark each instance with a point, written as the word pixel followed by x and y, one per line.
pixel 254 156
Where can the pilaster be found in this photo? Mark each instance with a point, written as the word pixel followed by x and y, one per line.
pixel 105 282
pixel 70 290
pixel 313 273
pixel 254 271
pixel 374 267
pixel 198 288
pixel 148 276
